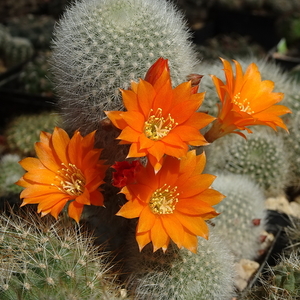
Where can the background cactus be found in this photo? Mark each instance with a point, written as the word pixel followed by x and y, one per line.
pixel 40 260
pixel 10 172
pixel 23 131
pixel 101 45
pixel 282 281
pixel 263 157
pixel 34 77
pixel 180 274
pixel 242 216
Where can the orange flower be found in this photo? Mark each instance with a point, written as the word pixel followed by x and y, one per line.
pixel 245 100
pixel 66 169
pixel 172 203
pixel 160 120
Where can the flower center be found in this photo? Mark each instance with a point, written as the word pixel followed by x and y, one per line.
pixel 71 179
pixel 157 127
pixel 163 200
pixel 244 105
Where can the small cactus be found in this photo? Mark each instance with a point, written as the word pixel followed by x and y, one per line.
pixel 40 260
pixel 10 172
pixel 263 157
pixel 23 131
pixel 242 214
pixel 180 274
pixel 101 45
pixel 282 281
pixel 17 50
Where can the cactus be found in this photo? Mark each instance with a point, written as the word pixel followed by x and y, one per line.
pixel 36 28
pixel 23 131
pixel 281 283
pixel 40 260
pixel 17 50
pixel 35 76
pixel 101 45
pixel 292 142
pixel 263 157
pixel 180 274
pixel 10 172
pixel 242 214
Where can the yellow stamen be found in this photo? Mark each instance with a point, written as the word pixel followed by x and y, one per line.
pixel 163 200
pixel 243 105
pixel 71 179
pixel 157 127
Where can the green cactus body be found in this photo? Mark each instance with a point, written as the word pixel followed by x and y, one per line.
pixel 243 205
pixel 10 172
pixel 263 157
pixel 180 274
pixel 23 131
pixel 39 262
pixel 101 45
pixel 17 50
pixel 35 76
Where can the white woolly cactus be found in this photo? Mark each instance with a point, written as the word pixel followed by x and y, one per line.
pixel 263 157
pixel 181 274
pixel 242 214
pixel 51 262
pixel 101 45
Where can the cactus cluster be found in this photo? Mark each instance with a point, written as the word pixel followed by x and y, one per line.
pixel 101 45
pixel 242 216
pixel 180 274
pixel 14 50
pixel 10 172
pixel 263 157
pixel 40 260
pixel 23 131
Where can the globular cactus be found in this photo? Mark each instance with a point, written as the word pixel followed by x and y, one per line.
pixel 101 45
pixel 180 274
pixel 263 157
pixel 40 260
pixel 242 216
pixel 23 131
pixel 10 172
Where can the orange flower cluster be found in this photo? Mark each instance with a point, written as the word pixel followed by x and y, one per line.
pixel 245 100
pixel 170 196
